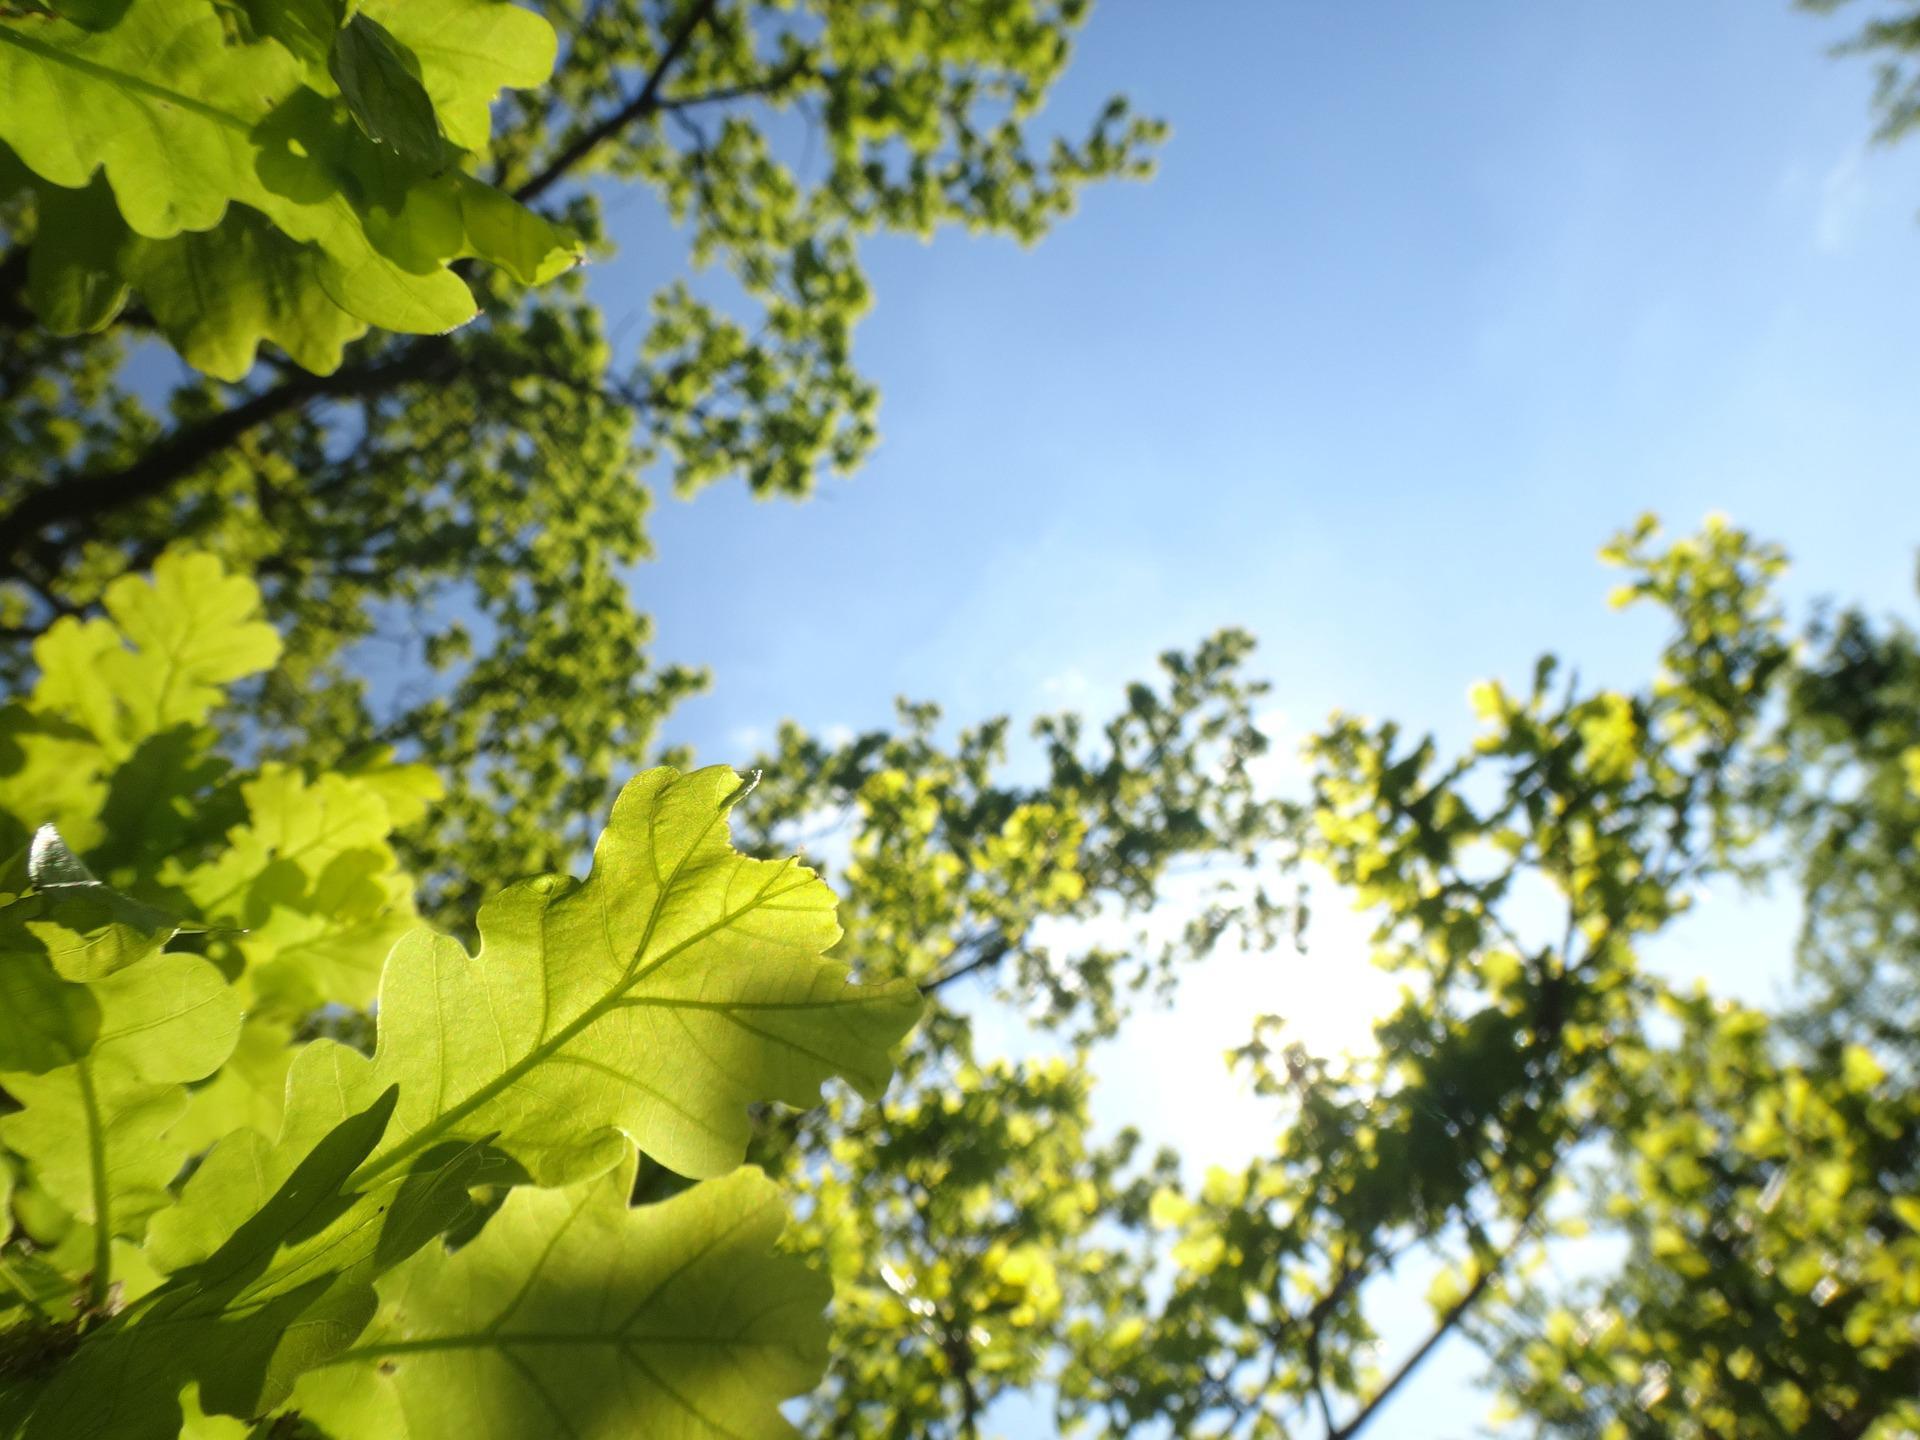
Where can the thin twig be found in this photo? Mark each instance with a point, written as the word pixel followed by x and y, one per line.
pixel 638 108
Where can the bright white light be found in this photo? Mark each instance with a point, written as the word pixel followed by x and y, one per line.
pixel 1166 1073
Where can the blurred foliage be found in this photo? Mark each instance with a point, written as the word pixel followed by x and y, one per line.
pixel 1539 1081
pixel 954 868
pixel 973 1218
pixel 1891 37
pixel 1744 1180
pixel 1768 1164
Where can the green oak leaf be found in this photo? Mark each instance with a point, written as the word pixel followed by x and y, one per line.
pixel 313 884
pixel 389 234
pixel 574 1314
pixel 504 232
pixel 656 1000
pixel 192 629
pixel 379 79
pixel 185 124
pixel 387 229
pixel 95 1133
pixel 651 1003
pixel 78 286
pixel 159 100
pixel 216 294
pixel 468 52
pixel 82 681
pixel 110 741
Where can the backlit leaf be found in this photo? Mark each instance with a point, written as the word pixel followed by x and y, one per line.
pixel 573 1314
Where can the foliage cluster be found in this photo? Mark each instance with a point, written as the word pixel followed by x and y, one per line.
pixel 466 509
pixel 221 1210
pixel 1757 1171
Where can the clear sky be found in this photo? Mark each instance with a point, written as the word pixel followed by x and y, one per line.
pixel 1425 301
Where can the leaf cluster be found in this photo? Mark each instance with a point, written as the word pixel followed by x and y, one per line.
pixel 283 171
pixel 214 1211
pixel 467 509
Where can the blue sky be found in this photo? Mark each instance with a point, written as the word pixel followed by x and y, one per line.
pixel 1425 301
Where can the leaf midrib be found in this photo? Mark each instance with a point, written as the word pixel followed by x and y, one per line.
pixel 506 1340
pixel 121 79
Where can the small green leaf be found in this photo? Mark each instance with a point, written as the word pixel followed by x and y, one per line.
pixel 468 52
pixel 193 628
pixel 185 124
pixel 196 629
pixel 159 100
pixel 306 27
pixel 312 882
pixel 88 930
pixel 678 984
pixel 216 294
pixel 45 1022
pixel 380 81
pixel 95 1133
pixel 76 286
pixel 504 232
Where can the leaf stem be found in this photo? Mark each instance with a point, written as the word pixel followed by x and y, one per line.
pixel 101 1281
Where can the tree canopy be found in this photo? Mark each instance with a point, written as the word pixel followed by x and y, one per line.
pixel 325 476
pixel 466 507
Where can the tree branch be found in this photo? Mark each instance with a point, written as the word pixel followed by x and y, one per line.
pixel 769 84
pixel 14 312
pixel 643 104
pixel 84 495
pixel 1456 1312
pixel 992 948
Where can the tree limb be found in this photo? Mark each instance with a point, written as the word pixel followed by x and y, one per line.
pixel 769 84
pixel 639 107
pixel 991 949
pixel 87 495
pixel 1455 1312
